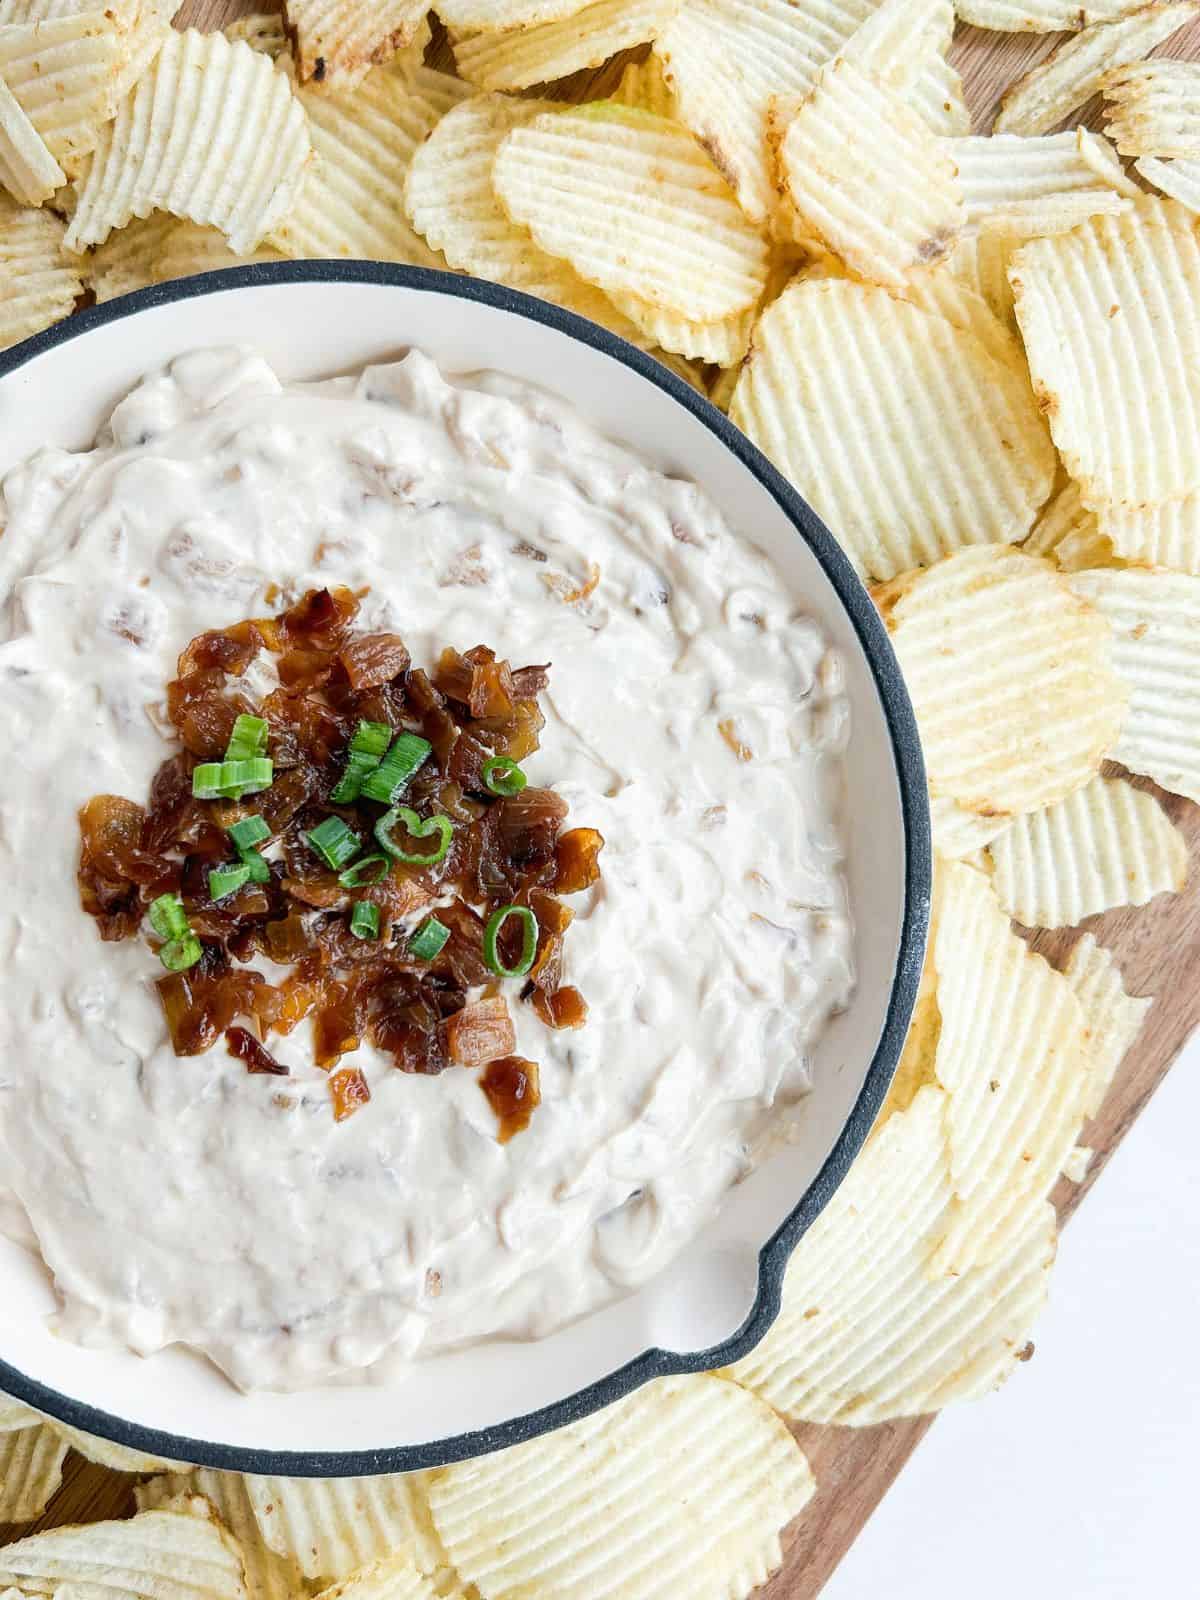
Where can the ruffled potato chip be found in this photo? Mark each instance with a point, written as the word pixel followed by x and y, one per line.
pixel 30 1472
pixel 1042 16
pixel 1099 308
pixel 980 262
pixel 1106 845
pixel 868 178
pixel 1153 108
pixel 864 1334
pixel 396 1577
pixel 1163 534
pixel 65 75
pixel 899 428
pixel 644 86
pixel 502 16
pixel 39 281
pixel 212 133
pixel 268 1576
pixel 1046 96
pixel 339 41
pixel 1046 184
pixel 608 1507
pixel 1178 180
pixel 1013 1056
pixel 27 169
pixel 129 258
pixel 1155 620
pixel 333 1526
pixel 517 59
pixel 670 233
pixel 1114 1018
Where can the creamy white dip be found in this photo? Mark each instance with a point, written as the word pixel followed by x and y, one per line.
pixel 185 1200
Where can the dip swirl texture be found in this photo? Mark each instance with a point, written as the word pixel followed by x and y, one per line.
pixel 695 716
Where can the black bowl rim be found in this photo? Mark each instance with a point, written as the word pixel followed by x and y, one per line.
pixel 910 771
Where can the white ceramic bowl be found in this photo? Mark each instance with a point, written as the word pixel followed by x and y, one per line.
pixel 720 1296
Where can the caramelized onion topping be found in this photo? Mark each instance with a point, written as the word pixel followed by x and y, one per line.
pixel 512 850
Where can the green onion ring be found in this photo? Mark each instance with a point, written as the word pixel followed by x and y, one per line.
pixel 529 944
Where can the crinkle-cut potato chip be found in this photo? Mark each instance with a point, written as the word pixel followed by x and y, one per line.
pixel 157 1555
pixel 1114 1018
pixel 450 201
pixel 1042 16
pixel 1016 698
pixel 864 1335
pixel 39 281
pixel 146 32
pixel 670 232
pixel 555 49
pixel 980 261
pixel 1108 315
pixel 441 91
pixel 268 1576
pixel 727 60
pixel 1013 1056
pixel 957 832
pixel 129 258
pixel 608 1507
pixel 261 30
pixel 1165 533
pixel 363 140
pixel 898 427
pixel 30 1472
pixel 1153 108
pixel 333 1526
pixel 27 169
pixel 502 16
pixel 212 133
pixel 1047 95
pixel 396 1577
pixel 119 1457
pixel 65 75
pixel 1155 620
pixel 17 13
pixel 339 41
pixel 722 344
pixel 915 1069
pixel 866 175
pixel 1045 184
pixel 1106 845
pixel 644 86
pixel 1178 180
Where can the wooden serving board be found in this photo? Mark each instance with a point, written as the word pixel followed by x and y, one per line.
pixel 1158 947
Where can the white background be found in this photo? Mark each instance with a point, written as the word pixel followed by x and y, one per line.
pixel 1080 1480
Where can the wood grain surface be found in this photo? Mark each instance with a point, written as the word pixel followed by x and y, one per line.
pixel 1158 947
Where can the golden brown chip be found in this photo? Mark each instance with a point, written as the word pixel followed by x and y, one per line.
pixel 899 428
pixel 643 85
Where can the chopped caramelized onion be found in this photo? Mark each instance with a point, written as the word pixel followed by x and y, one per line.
pixel 511 1085
pixel 427 1011
pixel 478 1033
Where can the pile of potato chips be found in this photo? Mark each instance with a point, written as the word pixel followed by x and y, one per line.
pixel 978 357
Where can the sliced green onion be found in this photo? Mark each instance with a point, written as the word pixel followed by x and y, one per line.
pixel 167 917
pixel 364 920
pixel 230 780
pixel 440 826
pixel 248 739
pixel 334 842
pixel 349 785
pixel 366 871
pixel 179 954
pixel 529 940
pixel 227 880
pixel 502 776
pixel 371 739
pixel 248 833
pixel 397 767
pixel 429 940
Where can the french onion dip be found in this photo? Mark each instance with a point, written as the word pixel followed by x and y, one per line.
pixel 694 718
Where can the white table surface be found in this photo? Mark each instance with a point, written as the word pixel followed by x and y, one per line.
pixel 1080 1480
